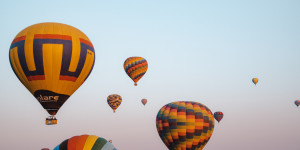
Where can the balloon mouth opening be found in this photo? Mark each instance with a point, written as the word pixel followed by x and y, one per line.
pixel 51 120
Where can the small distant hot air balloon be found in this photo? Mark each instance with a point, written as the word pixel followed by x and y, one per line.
pixel 135 67
pixel 185 125
pixel 218 116
pixel 52 60
pixel 297 102
pixel 85 142
pixel 144 101
pixel 45 149
pixel 255 80
pixel 114 101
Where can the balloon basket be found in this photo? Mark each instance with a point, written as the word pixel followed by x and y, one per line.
pixel 51 120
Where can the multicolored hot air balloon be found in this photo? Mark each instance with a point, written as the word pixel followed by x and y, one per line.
pixel 218 116
pixel 114 101
pixel 85 142
pixel 135 67
pixel 144 101
pixel 52 60
pixel 255 80
pixel 297 103
pixel 185 125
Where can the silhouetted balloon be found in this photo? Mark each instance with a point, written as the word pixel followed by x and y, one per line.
pixel 185 125
pixel 255 80
pixel 297 102
pixel 85 142
pixel 135 67
pixel 52 60
pixel 218 116
pixel 114 101
pixel 144 101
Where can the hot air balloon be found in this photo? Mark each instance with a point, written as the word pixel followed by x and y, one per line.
pixel 144 101
pixel 297 102
pixel 218 116
pixel 185 125
pixel 255 80
pixel 135 67
pixel 45 149
pixel 85 142
pixel 114 101
pixel 52 60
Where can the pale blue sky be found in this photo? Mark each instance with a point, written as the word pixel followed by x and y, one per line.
pixel 204 51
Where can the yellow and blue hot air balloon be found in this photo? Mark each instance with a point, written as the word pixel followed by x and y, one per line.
pixel 114 101
pixel 185 125
pixel 52 60
pixel 135 67
pixel 85 142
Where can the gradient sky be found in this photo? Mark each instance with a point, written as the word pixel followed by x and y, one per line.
pixel 198 50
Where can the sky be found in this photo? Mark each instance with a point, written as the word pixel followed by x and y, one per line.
pixel 203 51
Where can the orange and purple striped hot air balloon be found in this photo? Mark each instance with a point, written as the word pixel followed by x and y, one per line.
pixel 297 103
pixel 85 142
pixel 218 116
pixel 52 60
pixel 185 125
pixel 135 67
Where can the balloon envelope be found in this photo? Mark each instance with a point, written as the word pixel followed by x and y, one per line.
pixel 114 101
pixel 218 116
pixel 52 60
pixel 297 103
pixel 255 80
pixel 85 142
pixel 185 125
pixel 135 67
pixel 144 101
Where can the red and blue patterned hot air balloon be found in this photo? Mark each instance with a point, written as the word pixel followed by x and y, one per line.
pixel 144 101
pixel 218 116
pixel 185 125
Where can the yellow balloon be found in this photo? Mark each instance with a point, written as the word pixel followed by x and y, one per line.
pixel 52 60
